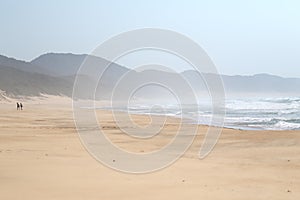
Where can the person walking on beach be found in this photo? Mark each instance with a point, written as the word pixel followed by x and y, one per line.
pixel 18 106
pixel 21 106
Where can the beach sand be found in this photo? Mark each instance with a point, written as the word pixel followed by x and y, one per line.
pixel 41 157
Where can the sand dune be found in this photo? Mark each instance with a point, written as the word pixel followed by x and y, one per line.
pixel 3 96
pixel 41 157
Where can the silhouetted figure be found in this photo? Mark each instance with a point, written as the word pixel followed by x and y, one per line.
pixel 18 106
pixel 21 106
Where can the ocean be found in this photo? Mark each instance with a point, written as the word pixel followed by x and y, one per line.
pixel 246 114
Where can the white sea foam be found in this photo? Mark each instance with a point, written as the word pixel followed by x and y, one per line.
pixel 259 113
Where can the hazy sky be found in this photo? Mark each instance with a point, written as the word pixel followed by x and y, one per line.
pixel 242 37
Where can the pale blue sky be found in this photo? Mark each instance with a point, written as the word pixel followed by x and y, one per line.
pixel 242 37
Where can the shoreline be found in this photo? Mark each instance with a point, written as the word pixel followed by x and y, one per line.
pixel 67 101
pixel 191 121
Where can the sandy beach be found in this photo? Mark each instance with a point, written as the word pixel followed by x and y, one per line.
pixel 41 157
